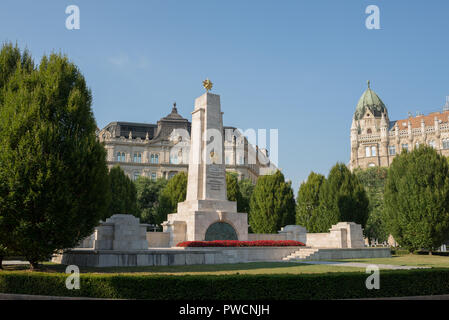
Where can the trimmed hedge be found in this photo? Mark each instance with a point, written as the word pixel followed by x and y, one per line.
pixel 231 287
pixel 237 243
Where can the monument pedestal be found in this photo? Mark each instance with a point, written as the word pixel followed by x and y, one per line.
pixel 199 220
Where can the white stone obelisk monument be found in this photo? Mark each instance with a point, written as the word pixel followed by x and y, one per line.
pixel 206 214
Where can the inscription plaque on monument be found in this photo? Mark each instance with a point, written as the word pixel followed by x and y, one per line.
pixel 215 177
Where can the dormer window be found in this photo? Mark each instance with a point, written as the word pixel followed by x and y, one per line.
pixel 369 131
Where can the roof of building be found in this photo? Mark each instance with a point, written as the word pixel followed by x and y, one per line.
pixel 429 120
pixel 371 101
pixel 174 115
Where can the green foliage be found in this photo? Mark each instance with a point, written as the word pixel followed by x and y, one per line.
pixel 123 193
pixel 342 199
pixel 417 199
pixel 246 188
pixel 232 187
pixel 373 179
pixel 324 286
pixel 148 193
pixel 308 202
pixel 272 204
pixel 53 174
pixel 175 191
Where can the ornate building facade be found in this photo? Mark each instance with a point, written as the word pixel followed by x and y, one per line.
pixel 161 150
pixel 375 140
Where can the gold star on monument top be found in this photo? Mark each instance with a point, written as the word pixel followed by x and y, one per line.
pixel 207 84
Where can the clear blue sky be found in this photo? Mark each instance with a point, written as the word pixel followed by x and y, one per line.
pixel 297 66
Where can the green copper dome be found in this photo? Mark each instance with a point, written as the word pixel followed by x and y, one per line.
pixel 371 101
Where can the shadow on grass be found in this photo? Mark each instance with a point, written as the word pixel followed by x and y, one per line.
pixel 203 268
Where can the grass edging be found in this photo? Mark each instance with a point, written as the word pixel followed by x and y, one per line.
pixel 398 283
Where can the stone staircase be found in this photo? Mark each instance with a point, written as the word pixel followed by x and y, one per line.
pixel 303 254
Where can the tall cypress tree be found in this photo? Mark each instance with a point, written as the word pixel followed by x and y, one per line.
pixel 272 204
pixel 53 174
pixel 246 188
pixel 373 180
pixel 123 193
pixel 308 202
pixel 417 199
pixel 233 188
pixel 342 198
pixel 174 192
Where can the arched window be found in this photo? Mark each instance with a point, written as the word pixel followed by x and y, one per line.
pixel 369 131
pixel 156 158
pixel 432 144
pixel 373 151
pixel 123 157
pixel 139 158
pixel 152 158
pixel 119 156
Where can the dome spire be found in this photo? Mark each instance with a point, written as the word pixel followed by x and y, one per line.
pixel 369 84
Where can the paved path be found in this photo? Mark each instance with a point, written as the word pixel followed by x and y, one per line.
pixel 360 265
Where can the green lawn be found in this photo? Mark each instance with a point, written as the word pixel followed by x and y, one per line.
pixel 252 268
pixel 408 260
pixel 216 269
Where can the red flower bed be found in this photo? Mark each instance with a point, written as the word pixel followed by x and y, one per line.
pixel 236 243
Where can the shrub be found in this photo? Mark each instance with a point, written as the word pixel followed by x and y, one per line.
pixel 350 285
pixel 236 243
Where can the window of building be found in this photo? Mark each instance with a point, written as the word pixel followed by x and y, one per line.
pixel 392 150
pixel 136 175
pixel 152 158
pixel 405 146
pixel 137 157
pixel 156 158
pixel 432 144
pixel 153 176
pixel 446 144
pixel 416 145
pixel 373 151
pixel 123 157
pixel 368 151
pixel 119 156
pixel 371 165
pixel 171 174
pixel 227 161
pixel 241 160
pixel 369 131
pixel 174 159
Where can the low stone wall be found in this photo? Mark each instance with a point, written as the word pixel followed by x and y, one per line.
pixel 319 240
pixel 266 236
pixel 158 239
pixel 173 256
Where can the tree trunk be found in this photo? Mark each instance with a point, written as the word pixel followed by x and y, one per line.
pixel 1 262
pixel 430 252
